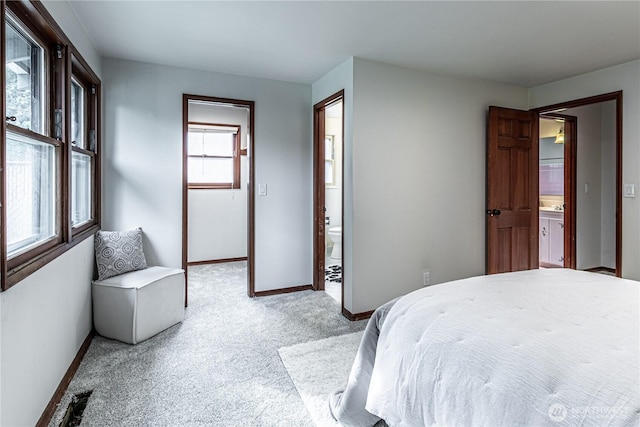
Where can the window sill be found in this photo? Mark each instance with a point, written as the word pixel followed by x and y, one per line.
pixel 19 273
pixel 213 187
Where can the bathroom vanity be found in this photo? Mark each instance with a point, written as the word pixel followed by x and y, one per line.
pixel 551 174
pixel 551 237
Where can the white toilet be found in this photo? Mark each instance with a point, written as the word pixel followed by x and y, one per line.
pixel 335 233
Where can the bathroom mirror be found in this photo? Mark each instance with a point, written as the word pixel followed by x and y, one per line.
pixel 551 172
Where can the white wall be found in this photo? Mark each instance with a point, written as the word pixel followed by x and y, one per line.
pixel 441 182
pixel 66 18
pixel 419 177
pixel 596 167
pixel 622 77
pixel 218 218
pixel 341 78
pixel 45 318
pixel 218 221
pixel 143 120
pixel 588 162
pixel 414 193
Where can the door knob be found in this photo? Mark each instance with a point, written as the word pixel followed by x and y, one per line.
pixel 493 212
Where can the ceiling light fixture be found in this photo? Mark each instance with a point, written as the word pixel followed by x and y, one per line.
pixel 560 136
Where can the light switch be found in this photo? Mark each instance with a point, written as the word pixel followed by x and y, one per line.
pixel 262 189
pixel 629 190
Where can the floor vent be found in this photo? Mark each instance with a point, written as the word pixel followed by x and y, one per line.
pixel 73 416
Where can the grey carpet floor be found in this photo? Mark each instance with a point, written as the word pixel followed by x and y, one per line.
pixel 220 367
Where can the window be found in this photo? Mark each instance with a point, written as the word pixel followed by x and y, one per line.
pixel 213 156
pixel 50 171
pixel 77 114
pixel 329 161
pixel 30 194
pixel 81 188
pixel 32 160
pixel 24 78
pixel 83 118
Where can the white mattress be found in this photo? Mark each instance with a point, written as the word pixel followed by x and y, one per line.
pixel 540 347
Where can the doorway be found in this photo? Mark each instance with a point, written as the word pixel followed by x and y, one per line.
pixel 218 214
pixel 593 158
pixel 513 183
pixel 557 190
pixel 328 125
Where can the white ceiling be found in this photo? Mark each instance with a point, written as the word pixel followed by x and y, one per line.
pixel 521 43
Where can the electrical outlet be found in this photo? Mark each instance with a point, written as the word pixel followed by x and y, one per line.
pixel 426 278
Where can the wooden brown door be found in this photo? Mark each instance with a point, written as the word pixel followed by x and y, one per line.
pixel 512 190
pixel 319 197
pixel 570 196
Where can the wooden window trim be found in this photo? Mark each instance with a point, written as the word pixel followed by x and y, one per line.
pixel 43 28
pixel 95 194
pixel 45 135
pixel 212 186
pixel 86 88
pixel 34 135
pixel 46 41
pixel 82 73
pixel 19 273
pixel 235 185
pixel 3 129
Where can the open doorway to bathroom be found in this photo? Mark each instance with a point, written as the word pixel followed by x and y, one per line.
pixel 217 178
pixel 581 220
pixel 328 196
pixel 557 158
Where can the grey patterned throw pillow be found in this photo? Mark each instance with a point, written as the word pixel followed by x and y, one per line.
pixel 119 252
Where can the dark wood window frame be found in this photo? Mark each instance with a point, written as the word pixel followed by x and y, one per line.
pixel 86 78
pixel 62 60
pixel 236 161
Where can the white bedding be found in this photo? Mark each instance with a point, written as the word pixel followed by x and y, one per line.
pixel 540 347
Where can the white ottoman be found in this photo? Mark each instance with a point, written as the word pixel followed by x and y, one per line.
pixel 135 306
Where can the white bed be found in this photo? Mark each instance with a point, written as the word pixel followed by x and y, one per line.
pixel 532 348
